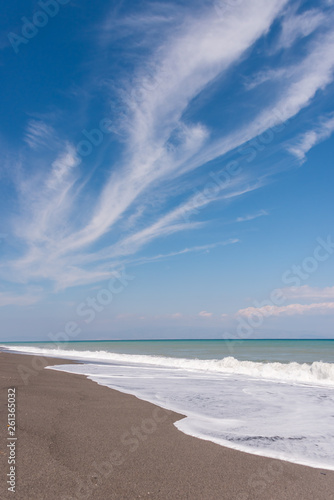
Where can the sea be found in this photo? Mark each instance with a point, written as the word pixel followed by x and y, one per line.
pixel 273 398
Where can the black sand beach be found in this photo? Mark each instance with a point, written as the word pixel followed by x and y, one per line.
pixel 79 440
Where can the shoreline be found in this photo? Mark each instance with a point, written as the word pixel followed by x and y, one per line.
pixel 81 440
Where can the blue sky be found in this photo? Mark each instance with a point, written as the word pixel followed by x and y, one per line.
pixel 166 169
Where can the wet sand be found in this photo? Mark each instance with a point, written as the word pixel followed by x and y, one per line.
pixel 79 440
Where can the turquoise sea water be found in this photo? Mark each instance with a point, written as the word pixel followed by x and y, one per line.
pixel 283 351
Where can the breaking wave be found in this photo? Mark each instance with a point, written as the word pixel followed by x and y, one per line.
pixel 318 372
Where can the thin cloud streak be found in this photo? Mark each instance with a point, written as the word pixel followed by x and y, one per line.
pixel 249 217
pixel 308 292
pixel 39 135
pixel 289 310
pixel 205 314
pixel 298 26
pixel 202 248
pixel 313 137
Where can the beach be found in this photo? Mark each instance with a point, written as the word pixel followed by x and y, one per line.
pixel 77 439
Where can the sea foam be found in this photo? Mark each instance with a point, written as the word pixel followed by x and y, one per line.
pixel 318 372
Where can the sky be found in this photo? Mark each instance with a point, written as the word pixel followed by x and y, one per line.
pixel 166 169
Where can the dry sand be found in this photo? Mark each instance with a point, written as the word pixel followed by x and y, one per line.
pixel 79 440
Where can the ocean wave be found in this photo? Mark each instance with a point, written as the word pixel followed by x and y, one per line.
pixel 318 372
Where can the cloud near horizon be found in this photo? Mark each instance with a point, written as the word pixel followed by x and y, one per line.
pixel 289 310
pixel 205 314
pixel 307 292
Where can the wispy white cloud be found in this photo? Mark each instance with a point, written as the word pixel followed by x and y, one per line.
pixel 46 200
pixel 308 292
pixel 39 135
pixel 311 138
pixel 312 74
pixel 290 310
pixel 264 76
pixel 246 218
pixel 205 314
pixel 183 66
pixel 152 19
pixel 201 248
pixel 296 26
pixel 132 219
pixel 305 293
pixel 172 222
